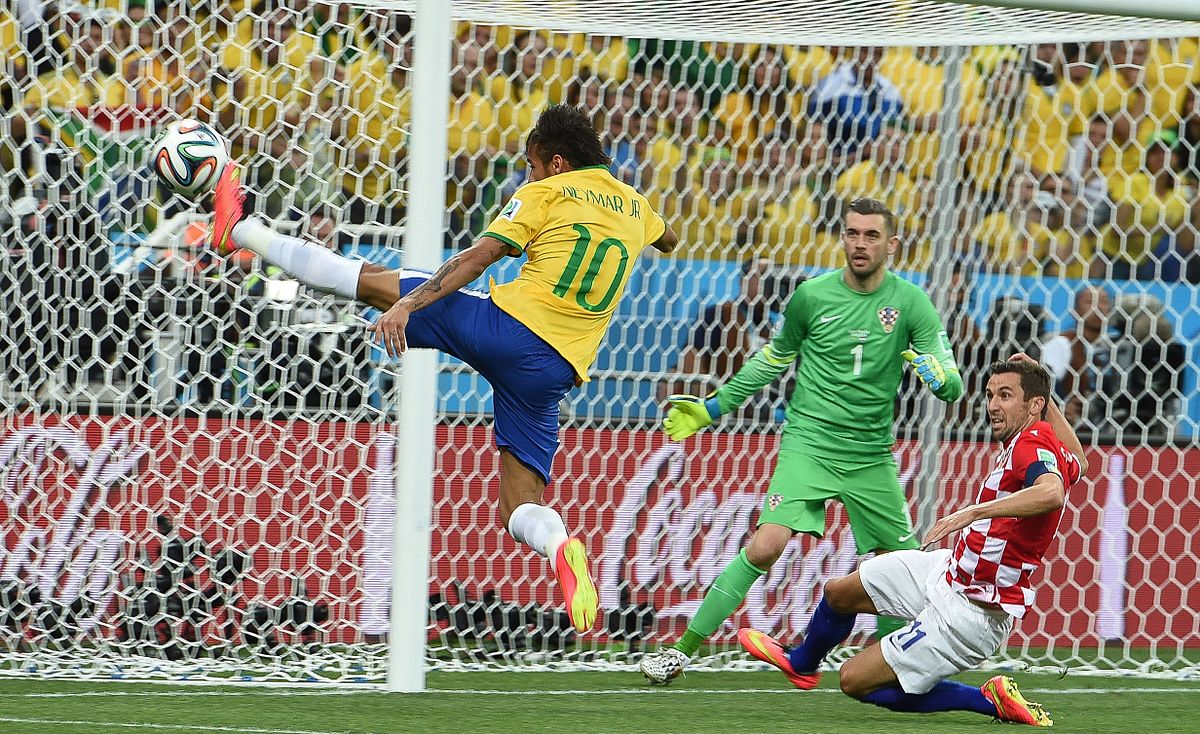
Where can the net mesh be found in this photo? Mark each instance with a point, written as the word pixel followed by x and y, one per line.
pixel 198 454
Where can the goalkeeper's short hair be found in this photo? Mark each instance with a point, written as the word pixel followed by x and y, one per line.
pixel 566 131
pixel 867 205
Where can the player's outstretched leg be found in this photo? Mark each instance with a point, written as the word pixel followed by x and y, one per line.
pixel 228 208
pixel 312 264
pixel 723 598
pixel 529 380
pixel 828 628
pixel 768 650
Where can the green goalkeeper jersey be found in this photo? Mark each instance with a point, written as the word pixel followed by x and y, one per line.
pixel 848 345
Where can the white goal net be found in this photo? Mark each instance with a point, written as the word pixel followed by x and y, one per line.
pixel 197 456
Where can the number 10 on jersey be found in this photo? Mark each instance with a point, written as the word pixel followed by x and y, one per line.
pixel 588 281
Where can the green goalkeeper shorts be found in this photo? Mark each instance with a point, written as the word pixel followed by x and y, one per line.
pixel 871 494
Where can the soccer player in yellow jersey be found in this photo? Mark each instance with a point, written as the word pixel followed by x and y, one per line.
pixel 534 338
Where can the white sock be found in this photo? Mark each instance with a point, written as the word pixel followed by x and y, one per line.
pixel 538 527
pixel 312 264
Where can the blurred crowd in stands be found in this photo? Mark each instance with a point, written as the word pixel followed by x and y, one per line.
pixel 1066 160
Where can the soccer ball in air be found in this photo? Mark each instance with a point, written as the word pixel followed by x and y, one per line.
pixel 189 157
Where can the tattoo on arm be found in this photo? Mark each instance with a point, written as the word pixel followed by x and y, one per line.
pixel 458 270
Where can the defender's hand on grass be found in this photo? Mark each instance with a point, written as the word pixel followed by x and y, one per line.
pixel 688 415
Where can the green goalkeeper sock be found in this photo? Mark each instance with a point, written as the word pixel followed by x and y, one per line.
pixel 723 599
pixel 885 625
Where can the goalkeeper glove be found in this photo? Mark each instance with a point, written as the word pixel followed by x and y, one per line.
pixel 689 414
pixel 928 368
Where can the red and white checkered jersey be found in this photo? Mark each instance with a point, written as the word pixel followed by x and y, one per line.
pixel 994 559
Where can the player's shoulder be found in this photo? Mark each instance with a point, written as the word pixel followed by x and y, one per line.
pixel 906 294
pixel 535 189
pixel 822 282
pixel 813 290
pixel 1039 443
pixel 904 287
pixel 1039 436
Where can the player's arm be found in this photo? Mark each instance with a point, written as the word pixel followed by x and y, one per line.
pixel 931 356
pixel 667 242
pixel 1046 493
pixel 455 273
pixel 689 414
pixel 1058 421
pixel 517 224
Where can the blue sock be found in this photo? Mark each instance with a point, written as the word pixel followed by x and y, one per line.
pixel 826 630
pixel 948 695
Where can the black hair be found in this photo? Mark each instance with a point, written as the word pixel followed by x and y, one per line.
pixel 566 131
pixel 869 206
pixel 1035 380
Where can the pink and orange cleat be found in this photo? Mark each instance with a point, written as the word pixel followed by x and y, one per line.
pixel 228 201
pixel 766 649
pixel 571 567
pixel 1011 705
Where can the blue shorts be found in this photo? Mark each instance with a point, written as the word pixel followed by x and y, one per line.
pixel 528 377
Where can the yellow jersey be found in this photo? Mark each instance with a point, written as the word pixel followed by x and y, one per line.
pixel 581 231
pixel 1155 215
pixel 1012 246
pixel 788 231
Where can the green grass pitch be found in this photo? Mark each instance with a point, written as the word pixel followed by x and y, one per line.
pixel 569 702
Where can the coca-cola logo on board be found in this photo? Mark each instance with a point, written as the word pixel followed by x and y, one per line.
pixel 55 488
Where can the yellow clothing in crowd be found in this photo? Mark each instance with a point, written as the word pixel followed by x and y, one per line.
pixel 1162 106
pixel 1011 246
pixel 1154 216
pixel 789 234
pixel 10 34
pixel 1054 115
pixel 920 84
pixel 517 106
pixel 67 89
pixel 713 224
pixel 749 117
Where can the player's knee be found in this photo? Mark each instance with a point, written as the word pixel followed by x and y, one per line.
pixel 763 555
pixel 851 683
pixel 842 596
pixel 767 545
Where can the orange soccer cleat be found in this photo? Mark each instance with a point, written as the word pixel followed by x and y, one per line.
pixel 228 200
pixel 1011 705
pixel 571 567
pixel 766 649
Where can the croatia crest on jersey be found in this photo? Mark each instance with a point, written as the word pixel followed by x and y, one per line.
pixel 888 317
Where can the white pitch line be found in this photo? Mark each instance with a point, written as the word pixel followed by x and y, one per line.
pixel 191 694
pixel 169 727
pixel 568 692
pixel 759 691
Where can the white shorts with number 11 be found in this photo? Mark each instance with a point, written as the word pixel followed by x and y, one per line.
pixel 948 633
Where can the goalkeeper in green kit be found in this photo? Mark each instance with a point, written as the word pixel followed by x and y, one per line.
pixel 852 330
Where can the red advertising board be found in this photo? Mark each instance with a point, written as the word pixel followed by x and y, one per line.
pixel 313 502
